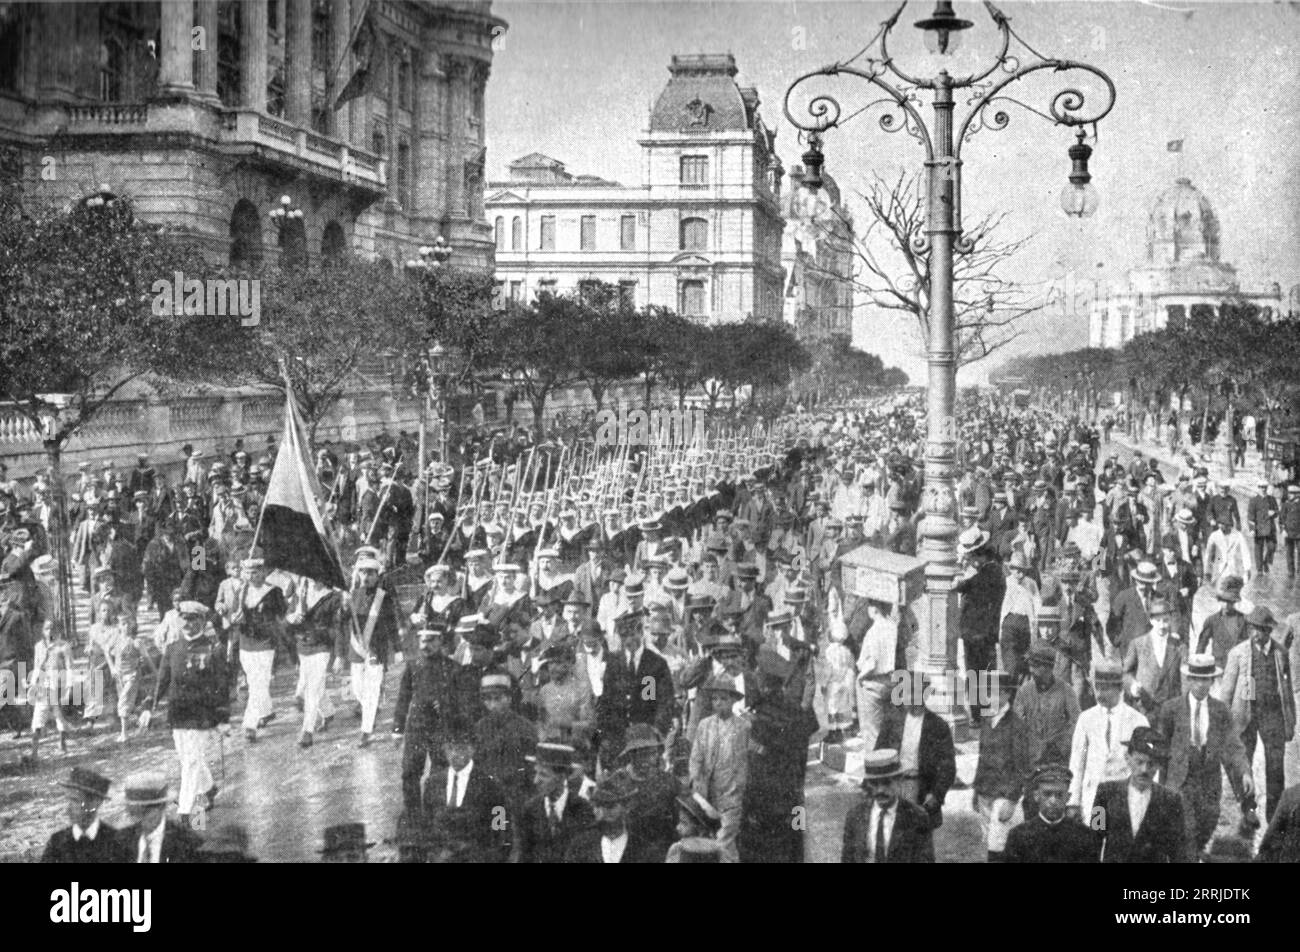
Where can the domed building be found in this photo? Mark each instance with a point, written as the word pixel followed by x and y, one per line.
pixel 1182 271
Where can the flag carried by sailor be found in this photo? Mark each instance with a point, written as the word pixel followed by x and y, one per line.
pixel 293 532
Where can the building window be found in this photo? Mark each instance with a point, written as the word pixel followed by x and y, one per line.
pixel 627 294
pixel 695 234
pixel 320 35
pixel 516 234
pixel 275 93
pixel 692 300
pixel 546 286
pixel 548 233
pixel 379 142
pixel 112 70
pixel 500 227
pixel 11 44
pixel 404 94
pixel 333 245
pixel 627 233
pixel 228 54
pixel 695 170
pixel 516 291
pixel 588 236
pixel 498 293
pixel 245 235
pixel 404 173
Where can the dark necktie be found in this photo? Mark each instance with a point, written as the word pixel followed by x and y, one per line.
pixel 881 846
pixel 1108 721
pixel 455 789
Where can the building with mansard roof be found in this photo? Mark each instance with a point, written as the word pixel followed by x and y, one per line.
pixel 1183 271
pixel 700 234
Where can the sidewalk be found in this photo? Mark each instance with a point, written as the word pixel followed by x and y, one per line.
pixel 1242 481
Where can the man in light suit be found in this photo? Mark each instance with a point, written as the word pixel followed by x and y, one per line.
pixel 1201 737
pixel 903 826
pixel 1143 821
pixel 1257 688
pixel 1097 752
pixel 1153 662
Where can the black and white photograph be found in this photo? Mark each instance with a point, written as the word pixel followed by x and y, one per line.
pixel 651 431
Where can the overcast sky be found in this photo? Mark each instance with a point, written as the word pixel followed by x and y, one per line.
pixel 576 80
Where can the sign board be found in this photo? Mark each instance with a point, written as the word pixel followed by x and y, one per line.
pixel 883 576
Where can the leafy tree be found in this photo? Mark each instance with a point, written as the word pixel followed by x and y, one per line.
pixel 454 307
pixel 608 351
pixel 542 355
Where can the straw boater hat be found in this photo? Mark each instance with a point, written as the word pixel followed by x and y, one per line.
pixel 1229 588
pixel 1201 666
pixel 146 790
pixel 972 540
pixel 880 765
pixel 1108 673
pixel 1146 573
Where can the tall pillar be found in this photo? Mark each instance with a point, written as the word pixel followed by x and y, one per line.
pixel 252 54
pixel 339 68
pixel 297 55
pixel 206 60
pixel 57 75
pixel 176 74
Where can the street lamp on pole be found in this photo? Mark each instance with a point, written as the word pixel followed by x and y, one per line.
pixel 54 415
pixel 941 237
pixel 434 362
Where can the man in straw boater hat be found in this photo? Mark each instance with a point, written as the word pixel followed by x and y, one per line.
pixel 1050 835
pixel 552 817
pixel 885 827
pixel 87 839
pixel 195 683
pixel 1144 822
pixel 1097 753
pixel 152 838
pixel 1128 618
pixel 982 588
pixel 1153 662
pixel 1201 738
pixel 1257 688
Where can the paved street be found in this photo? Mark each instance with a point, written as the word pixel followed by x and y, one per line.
pixel 286 796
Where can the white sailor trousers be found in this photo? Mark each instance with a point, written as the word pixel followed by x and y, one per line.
pixel 257 670
pixel 316 706
pixel 196 778
pixel 367 680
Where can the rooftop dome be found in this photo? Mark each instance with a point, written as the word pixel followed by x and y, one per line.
pixel 1182 227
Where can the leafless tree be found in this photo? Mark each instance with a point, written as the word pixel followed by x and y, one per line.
pixel 989 310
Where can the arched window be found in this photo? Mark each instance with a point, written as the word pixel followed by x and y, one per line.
pixel 333 245
pixel 517 234
pixel 500 226
pixel 293 245
pixel 695 234
pixel 245 235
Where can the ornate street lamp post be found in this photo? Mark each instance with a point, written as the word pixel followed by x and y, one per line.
pixel 942 238
pixel 435 363
pixel 54 417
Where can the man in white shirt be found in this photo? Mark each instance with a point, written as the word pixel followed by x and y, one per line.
pixel 1097 751
pixel 875 665
pixel 609 840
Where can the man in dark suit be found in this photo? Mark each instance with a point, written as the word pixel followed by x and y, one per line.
pixel 1128 610
pixel 152 838
pixel 1201 737
pixel 1153 662
pixel 88 839
pixel 1049 836
pixel 982 588
pixel 886 828
pixel 930 765
pixel 552 818
pixel 650 698
pixel 610 840
pixel 652 811
pixel 1143 820
pixel 464 788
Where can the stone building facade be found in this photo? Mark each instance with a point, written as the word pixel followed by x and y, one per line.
pixel 702 232
pixel 1182 271
pixel 817 252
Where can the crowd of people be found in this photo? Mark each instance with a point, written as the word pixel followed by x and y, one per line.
pixel 622 654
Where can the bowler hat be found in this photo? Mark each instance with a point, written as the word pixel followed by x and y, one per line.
pixel 344 837
pixel 1261 617
pixel 87 781
pixel 641 737
pixel 1149 741
pixel 1042 653
pixel 724 685
pixel 1159 606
